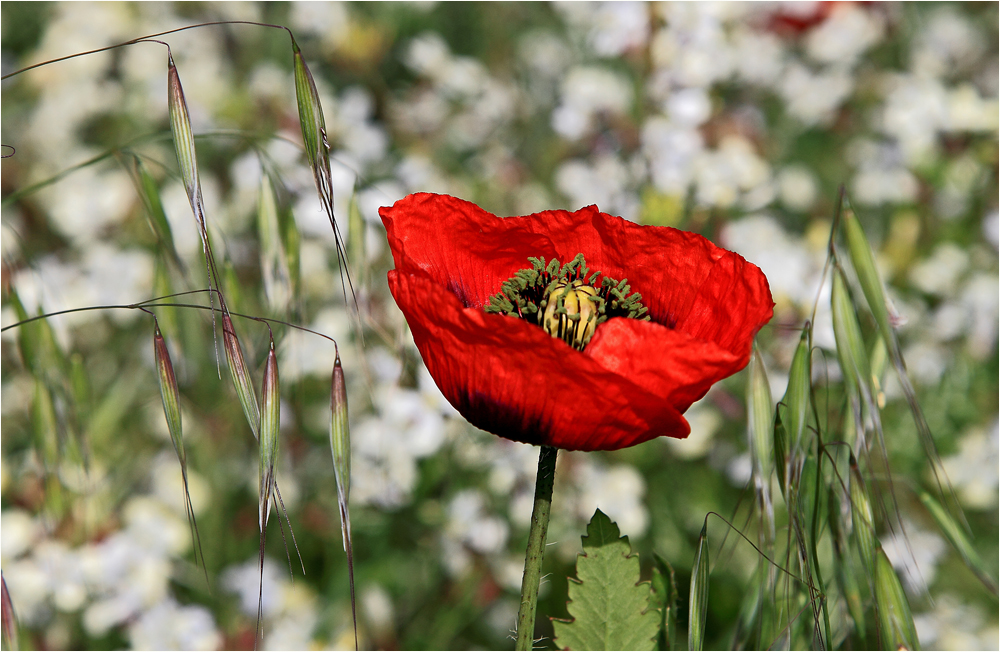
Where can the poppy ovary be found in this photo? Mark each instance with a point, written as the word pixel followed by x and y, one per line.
pixel 571 312
pixel 566 301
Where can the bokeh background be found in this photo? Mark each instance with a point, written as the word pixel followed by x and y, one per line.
pixel 738 121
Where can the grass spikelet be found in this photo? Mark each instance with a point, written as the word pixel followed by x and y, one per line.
pixel 340 447
pixel 269 423
pixel 183 137
pixel 851 350
pixel 797 399
pixel 317 146
pixel 241 375
pixel 273 262
pixel 170 395
pixel 896 631
pixel 698 598
pixel 169 392
pixel 10 634
pixel 862 517
pixel 760 421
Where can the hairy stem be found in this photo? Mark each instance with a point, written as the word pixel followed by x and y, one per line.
pixel 536 547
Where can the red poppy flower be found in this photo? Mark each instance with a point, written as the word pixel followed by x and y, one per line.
pixel 632 380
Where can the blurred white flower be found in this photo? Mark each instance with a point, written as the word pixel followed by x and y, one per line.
pixel 428 55
pixel 245 580
pixel 947 42
pixel 915 109
pixel 915 554
pixel 692 49
pixel 968 111
pixel 605 183
pixel 18 533
pixel 586 92
pixel 758 58
pixel 704 420
pixel 544 53
pixel 171 626
pixel 617 491
pixel 725 173
pixel 329 20
pixel 470 523
pixel 939 274
pixel 812 97
pixel 973 470
pixel 792 271
pixel 377 605
pixel 848 31
pixel 672 152
pixel 955 625
pixel 797 187
pixel 689 107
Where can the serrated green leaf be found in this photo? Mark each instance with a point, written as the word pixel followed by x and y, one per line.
pixel 611 610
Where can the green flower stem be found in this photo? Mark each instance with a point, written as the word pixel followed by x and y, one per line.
pixel 536 547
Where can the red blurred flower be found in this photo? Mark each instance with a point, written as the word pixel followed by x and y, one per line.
pixel 632 381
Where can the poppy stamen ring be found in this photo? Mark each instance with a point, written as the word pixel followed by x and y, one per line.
pixel 567 301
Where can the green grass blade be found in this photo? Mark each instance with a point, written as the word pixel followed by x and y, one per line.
pixel 897 631
pixel 356 236
pixel 958 538
pixel 149 193
pixel 698 598
pixel 872 286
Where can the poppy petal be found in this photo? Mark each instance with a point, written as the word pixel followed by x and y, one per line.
pixel 513 379
pixel 632 381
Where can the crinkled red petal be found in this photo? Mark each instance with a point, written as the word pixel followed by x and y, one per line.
pixel 686 282
pixel 513 379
